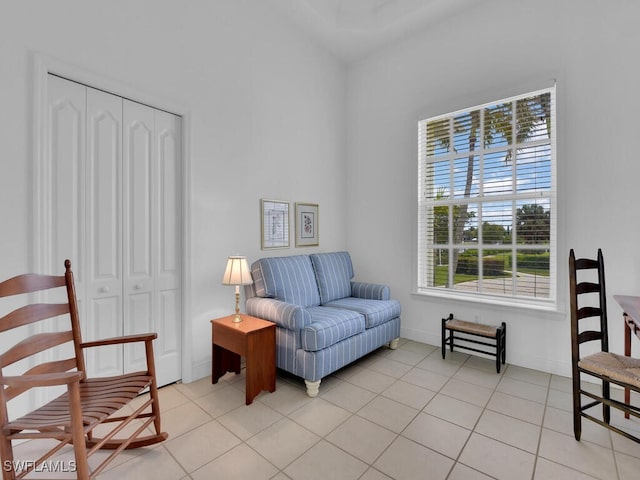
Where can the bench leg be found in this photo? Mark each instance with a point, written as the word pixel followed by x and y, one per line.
pixel 504 343
pixel 501 346
pixel 498 350
pixel 444 336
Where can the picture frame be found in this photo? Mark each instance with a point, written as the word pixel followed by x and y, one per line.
pixel 307 224
pixel 274 224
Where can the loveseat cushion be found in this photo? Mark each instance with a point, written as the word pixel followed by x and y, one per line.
pixel 375 311
pixel 372 291
pixel 289 279
pixel 328 326
pixel 334 272
pixel 283 314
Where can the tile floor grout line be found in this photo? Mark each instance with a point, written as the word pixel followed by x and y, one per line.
pixel 544 414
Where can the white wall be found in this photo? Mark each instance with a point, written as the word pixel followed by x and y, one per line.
pixel 266 110
pixel 498 49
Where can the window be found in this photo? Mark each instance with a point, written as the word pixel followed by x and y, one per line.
pixel 487 201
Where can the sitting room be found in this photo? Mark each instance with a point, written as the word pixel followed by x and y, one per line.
pixel 377 165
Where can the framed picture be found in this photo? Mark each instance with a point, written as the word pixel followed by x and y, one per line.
pixel 306 224
pixel 274 224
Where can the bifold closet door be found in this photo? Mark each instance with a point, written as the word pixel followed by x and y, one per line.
pixel 151 187
pixel 110 201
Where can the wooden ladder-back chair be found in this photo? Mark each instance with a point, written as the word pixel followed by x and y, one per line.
pixel 88 402
pixel 588 301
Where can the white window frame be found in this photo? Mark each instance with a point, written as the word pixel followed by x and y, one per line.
pixel 426 203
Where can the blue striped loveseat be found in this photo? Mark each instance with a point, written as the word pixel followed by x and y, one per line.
pixel 324 320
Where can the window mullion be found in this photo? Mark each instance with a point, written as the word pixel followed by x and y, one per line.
pixel 514 203
pixel 480 202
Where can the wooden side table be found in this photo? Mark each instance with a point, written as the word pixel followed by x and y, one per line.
pixel 255 340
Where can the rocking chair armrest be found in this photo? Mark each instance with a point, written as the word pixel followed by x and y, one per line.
pixel 42 380
pixel 143 337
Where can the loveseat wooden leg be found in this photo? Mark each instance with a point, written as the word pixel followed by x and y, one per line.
pixel 312 388
pixel 393 344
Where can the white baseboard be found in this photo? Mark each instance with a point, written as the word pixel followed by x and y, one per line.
pixel 198 370
pixel 513 358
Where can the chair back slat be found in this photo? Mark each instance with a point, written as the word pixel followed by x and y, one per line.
pixel 586 264
pixel 57 366
pixel 588 312
pixel 29 283
pixel 32 313
pixel 34 344
pixel 587 287
pixel 51 324
pixel 589 335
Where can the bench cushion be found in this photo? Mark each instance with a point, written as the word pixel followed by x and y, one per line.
pixel 375 311
pixel 334 272
pixel 473 328
pixel 289 279
pixel 329 326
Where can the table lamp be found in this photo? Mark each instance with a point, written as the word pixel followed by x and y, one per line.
pixel 237 273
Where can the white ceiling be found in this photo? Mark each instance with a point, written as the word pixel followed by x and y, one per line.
pixel 352 29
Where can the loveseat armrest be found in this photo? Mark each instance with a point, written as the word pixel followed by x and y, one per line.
pixel 286 315
pixel 370 291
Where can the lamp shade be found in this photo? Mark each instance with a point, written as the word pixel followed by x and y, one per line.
pixel 237 271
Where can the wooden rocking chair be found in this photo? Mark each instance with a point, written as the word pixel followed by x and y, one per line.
pixel 88 402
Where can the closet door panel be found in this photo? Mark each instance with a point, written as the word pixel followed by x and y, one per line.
pixel 168 141
pixel 138 163
pixel 104 231
pixel 103 318
pixel 139 245
pixel 168 134
pixel 64 198
pixel 62 201
pixel 139 320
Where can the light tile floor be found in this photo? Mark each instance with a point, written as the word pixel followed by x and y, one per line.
pixel 401 414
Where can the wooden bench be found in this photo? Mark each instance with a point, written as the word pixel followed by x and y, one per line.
pixel 47 342
pixel 497 348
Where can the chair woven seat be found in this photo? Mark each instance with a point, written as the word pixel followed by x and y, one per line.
pixel 617 367
pixel 470 327
pixel 100 397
